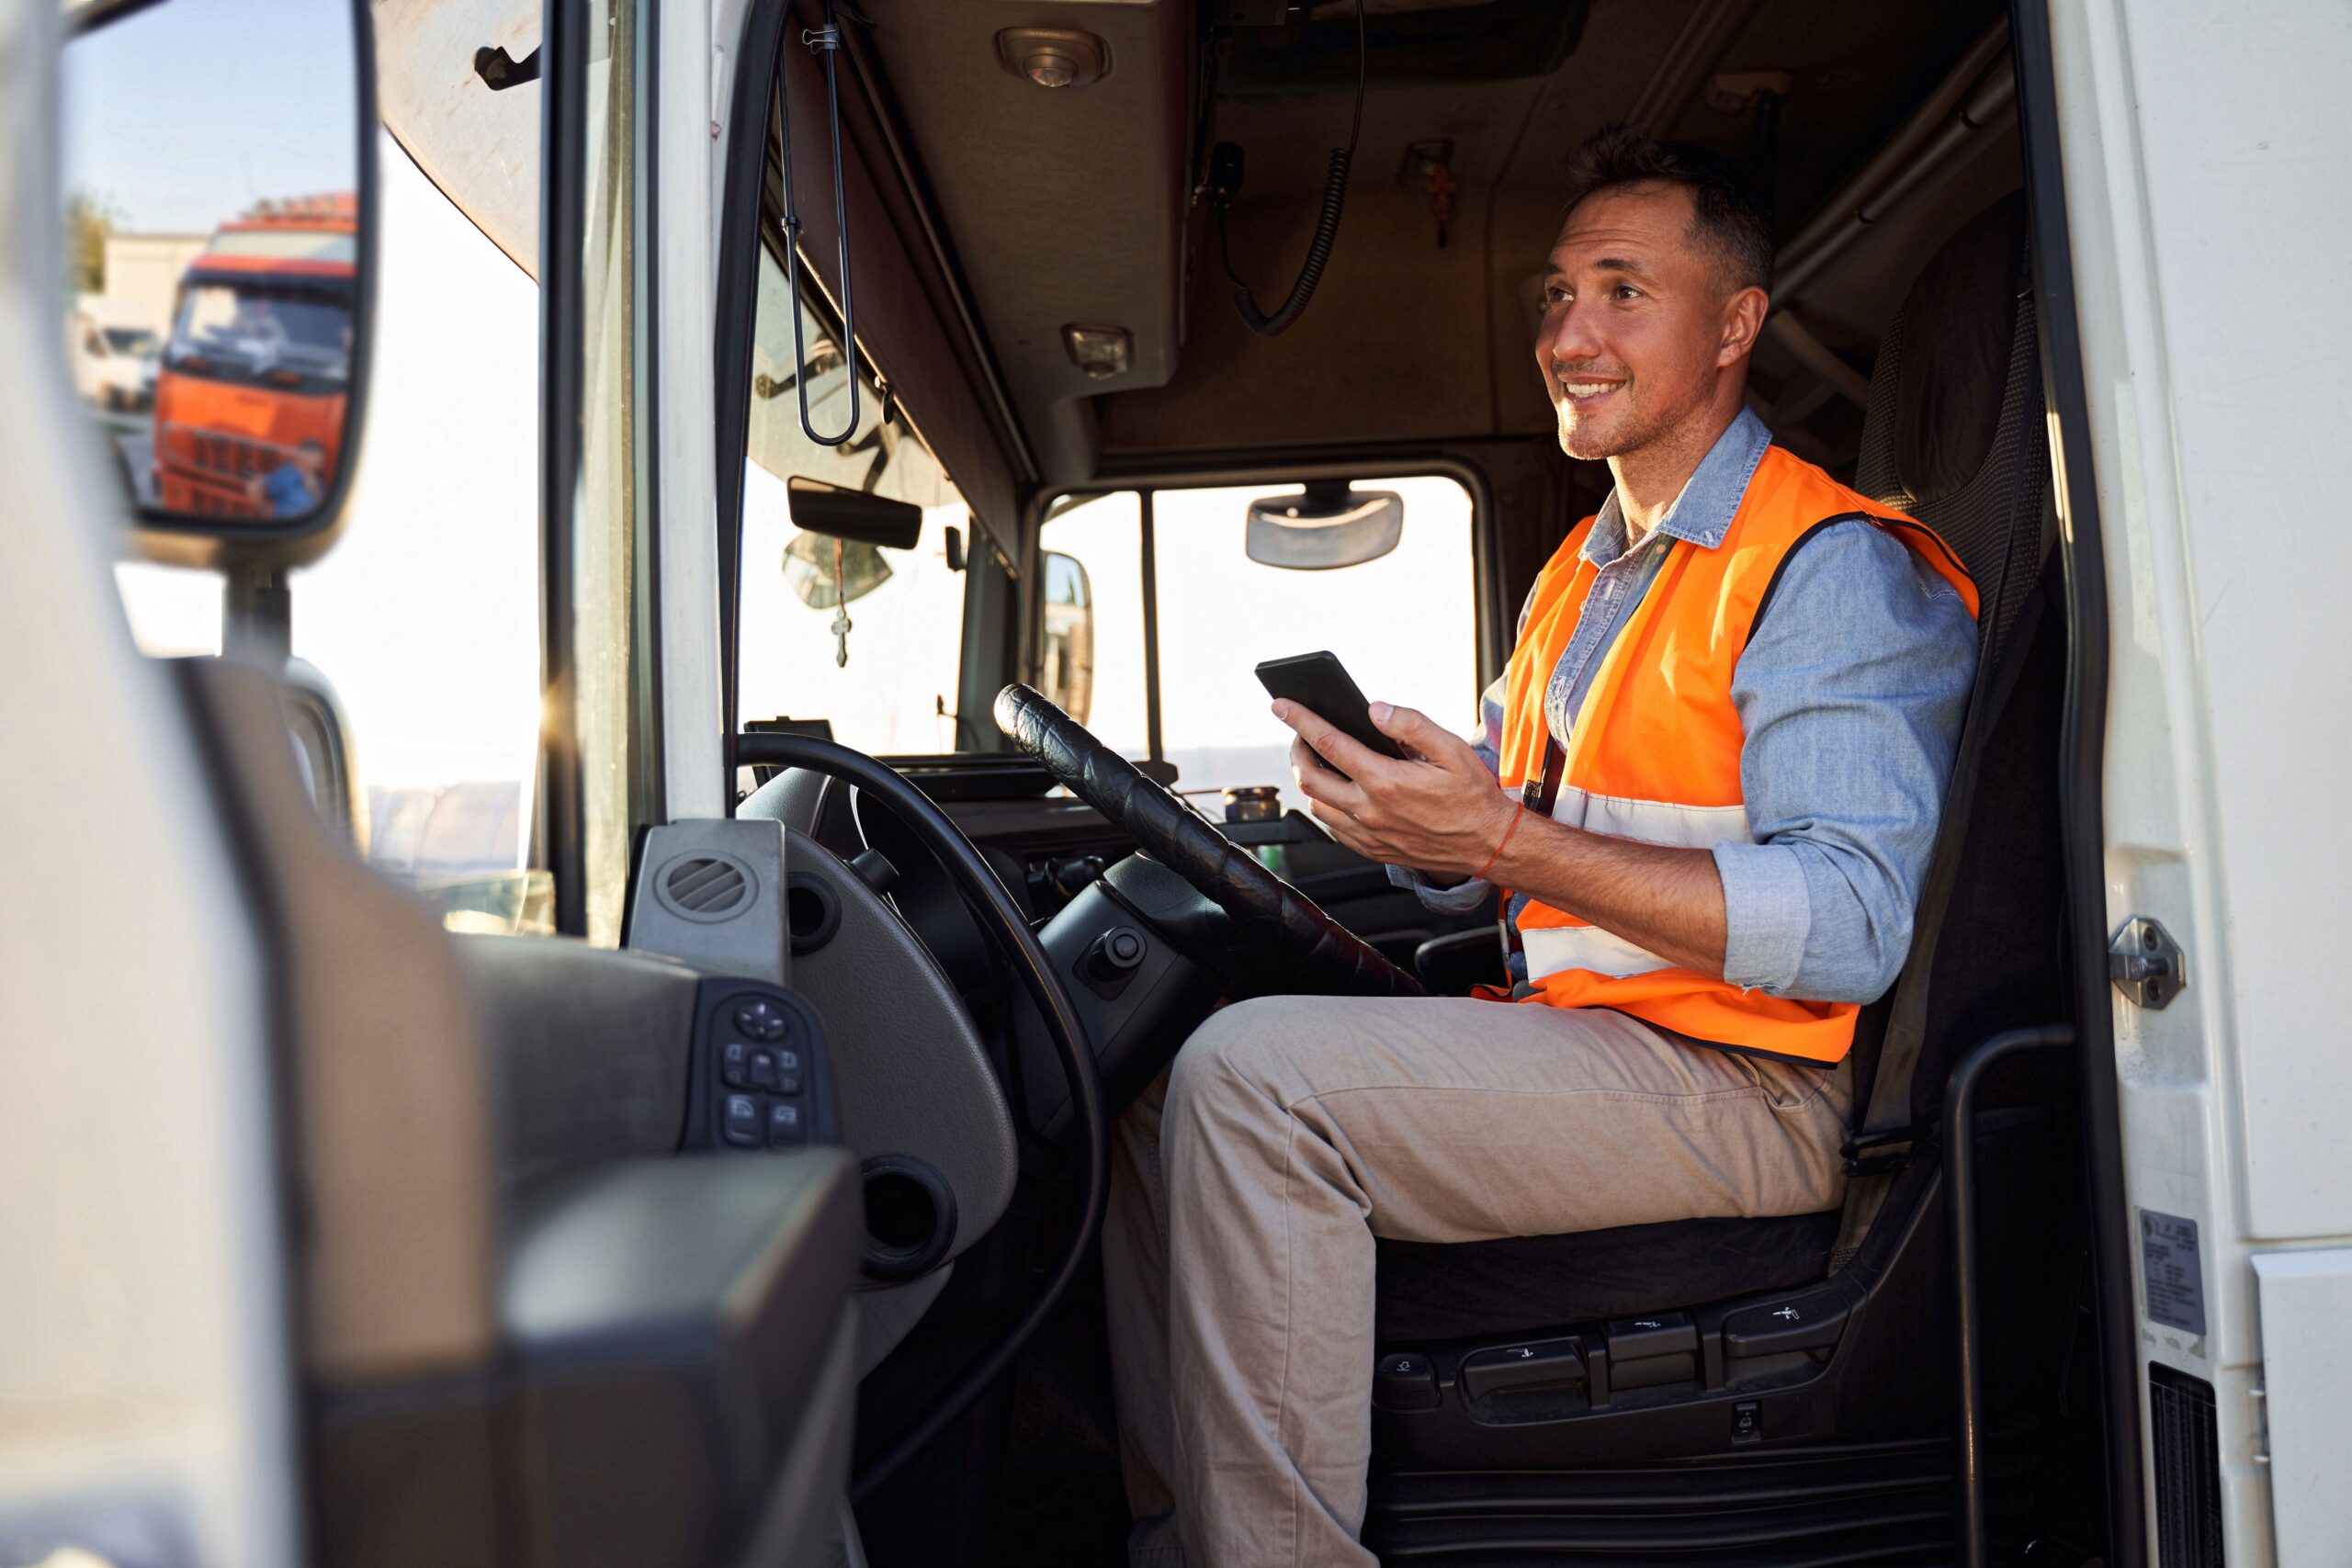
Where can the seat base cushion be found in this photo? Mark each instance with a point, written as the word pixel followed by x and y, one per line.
pixel 1435 1290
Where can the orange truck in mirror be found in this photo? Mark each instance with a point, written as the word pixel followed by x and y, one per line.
pixel 252 394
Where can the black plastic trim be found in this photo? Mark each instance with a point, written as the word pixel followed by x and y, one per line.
pixel 1959 1206
pixel 1148 558
pixel 563 165
pixel 647 748
pixel 896 1265
pixel 2082 789
pixel 735 303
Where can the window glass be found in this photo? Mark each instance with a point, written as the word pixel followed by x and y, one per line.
pixel 896 693
pixel 1405 625
pixel 1103 535
pixel 425 615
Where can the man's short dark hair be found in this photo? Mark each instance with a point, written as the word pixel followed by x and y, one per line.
pixel 1725 217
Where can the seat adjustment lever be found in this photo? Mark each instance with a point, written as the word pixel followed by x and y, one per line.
pixel 1538 1365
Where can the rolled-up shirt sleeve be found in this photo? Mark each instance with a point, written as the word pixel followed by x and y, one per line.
pixel 1464 896
pixel 1851 690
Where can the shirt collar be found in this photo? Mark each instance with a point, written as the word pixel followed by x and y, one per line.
pixel 1710 499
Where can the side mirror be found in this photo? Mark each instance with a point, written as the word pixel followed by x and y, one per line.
pixel 1066 662
pixel 1325 526
pixel 219 198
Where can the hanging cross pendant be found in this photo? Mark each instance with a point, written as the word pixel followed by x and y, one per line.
pixel 841 614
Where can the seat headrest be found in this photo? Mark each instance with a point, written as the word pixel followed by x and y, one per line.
pixel 1953 365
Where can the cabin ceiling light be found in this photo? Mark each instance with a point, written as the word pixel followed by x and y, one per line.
pixel 1053 57
pixel 1100 352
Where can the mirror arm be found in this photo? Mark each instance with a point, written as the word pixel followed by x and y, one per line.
pixel 499 70
pixel 826 42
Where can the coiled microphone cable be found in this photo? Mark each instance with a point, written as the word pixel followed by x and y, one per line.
pixel 1327 221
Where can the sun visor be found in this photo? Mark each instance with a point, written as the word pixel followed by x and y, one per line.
pixel 907 322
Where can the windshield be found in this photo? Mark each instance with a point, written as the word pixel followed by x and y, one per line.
pixel 261 328
pixel 130 340
pixel 865 638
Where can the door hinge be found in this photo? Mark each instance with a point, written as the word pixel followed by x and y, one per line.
pixel 2146 964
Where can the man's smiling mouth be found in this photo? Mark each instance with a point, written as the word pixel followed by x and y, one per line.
pixel 1583 393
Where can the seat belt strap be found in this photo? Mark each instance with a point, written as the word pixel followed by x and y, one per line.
pixel 1540 801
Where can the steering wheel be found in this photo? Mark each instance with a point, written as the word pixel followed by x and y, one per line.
pixel 1323 956
pixel 1027 962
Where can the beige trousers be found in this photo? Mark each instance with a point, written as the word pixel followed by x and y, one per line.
pixel 1249 1183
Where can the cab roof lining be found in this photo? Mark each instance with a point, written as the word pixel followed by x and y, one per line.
pixel 1073 206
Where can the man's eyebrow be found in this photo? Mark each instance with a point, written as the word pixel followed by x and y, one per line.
pixel 1626 265
pixel 1621 263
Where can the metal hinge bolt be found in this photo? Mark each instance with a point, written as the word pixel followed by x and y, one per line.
pixel 2146 964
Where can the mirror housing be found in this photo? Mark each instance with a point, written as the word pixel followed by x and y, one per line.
pixel 1327 525
pixel 853 514
pixel 262 316
pixel 1066 659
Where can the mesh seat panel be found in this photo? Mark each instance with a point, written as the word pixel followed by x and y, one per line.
pixel 1994 520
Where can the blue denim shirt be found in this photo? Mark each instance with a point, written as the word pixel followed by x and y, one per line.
pixel 1851 690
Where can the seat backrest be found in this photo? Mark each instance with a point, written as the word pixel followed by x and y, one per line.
pixel 1955 434
pixel 1956 437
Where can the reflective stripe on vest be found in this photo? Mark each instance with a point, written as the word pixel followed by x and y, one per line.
pixel 1654 749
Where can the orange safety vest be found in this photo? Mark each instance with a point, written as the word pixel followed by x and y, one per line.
pixel 1653 753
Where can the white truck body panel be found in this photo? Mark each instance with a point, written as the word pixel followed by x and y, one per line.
pixel 145 1393
pixel 2207 152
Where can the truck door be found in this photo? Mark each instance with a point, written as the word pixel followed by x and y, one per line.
pixel 401 1240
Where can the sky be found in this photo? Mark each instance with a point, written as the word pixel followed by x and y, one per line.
pixel 180 115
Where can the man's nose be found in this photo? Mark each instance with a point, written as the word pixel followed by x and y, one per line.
pixel 1568 336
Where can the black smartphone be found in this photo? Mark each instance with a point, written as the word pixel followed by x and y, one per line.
pixel 1320 683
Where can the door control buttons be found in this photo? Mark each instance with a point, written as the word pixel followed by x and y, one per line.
pixel 762 1020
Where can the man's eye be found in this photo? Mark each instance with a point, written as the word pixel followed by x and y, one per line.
pixel 1556 296
pixel 1628 291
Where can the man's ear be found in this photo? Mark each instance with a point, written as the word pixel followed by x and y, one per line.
pixel 1743 323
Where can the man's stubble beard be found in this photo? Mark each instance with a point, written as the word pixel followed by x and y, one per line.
pixel 1640 431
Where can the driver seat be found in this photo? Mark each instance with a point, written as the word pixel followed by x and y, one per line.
pixel 1734 1343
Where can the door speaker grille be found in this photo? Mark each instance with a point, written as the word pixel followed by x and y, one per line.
pixel 705 886
pixel 2186 1425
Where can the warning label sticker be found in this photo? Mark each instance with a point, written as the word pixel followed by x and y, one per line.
pixel 2168 1263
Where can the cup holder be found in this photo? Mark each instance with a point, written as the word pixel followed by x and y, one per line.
pixel 909 1217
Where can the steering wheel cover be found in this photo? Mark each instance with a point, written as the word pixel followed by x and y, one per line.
pixel 1267 910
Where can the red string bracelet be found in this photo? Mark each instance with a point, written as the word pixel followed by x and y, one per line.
pixel 1506 839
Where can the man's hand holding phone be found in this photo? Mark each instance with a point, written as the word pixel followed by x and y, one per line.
pixel 1435 808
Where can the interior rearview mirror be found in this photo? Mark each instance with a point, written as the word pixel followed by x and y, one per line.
pixel 218 181
pixel 1327 525
pixel 1066 662
pixel 855 515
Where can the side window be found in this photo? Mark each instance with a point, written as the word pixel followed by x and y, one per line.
pixel 1101 535
pixel 425 615
pixel 865 638
pixel 1404 623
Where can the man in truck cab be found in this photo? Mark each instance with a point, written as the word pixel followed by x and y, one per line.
pixel 1708 786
